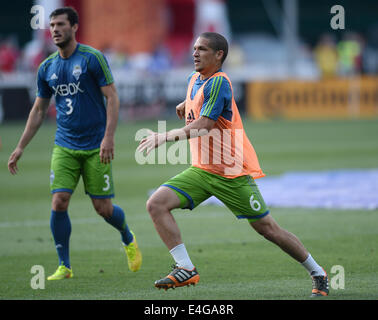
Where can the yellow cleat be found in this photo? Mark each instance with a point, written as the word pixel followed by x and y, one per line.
pixel 134 256
pixel 61 273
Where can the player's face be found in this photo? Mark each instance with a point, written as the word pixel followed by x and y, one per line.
pixel 61 30
pixel 205 58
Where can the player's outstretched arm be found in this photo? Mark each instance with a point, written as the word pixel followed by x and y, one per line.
pixel 199 127
pixel 35 119
pixel 112 109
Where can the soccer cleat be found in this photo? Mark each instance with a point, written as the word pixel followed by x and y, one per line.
pixel 179 277
pixel 320 286
pixel 134 256
pixel 61 273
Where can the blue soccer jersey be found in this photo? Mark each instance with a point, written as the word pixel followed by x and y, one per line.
pixel 217 97
pixel 76 84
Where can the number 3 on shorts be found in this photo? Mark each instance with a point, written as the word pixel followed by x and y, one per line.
pixel 106 188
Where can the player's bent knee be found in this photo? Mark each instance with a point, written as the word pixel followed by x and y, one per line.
pixel 103 212
pixel 103 207
pixel 156 207
pixel 60 201
pixel 152 206
pixel 162 202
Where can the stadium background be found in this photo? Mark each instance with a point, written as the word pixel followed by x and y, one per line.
pixel 309 98
pixel 285 59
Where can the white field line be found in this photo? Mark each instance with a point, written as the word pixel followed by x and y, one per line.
pixel 46 222
pixel 99 220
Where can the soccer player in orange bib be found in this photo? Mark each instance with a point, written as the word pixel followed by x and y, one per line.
pixel 224 164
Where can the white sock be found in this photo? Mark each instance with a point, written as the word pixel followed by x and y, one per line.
pixel 312 267
pixel 181 257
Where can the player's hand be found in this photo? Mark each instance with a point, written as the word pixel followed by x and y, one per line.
pixel 107 150
pixel 180 110
pixel 152 141
pixel 12 162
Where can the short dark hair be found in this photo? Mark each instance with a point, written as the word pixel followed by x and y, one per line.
pixel 71 13
pixel 216 42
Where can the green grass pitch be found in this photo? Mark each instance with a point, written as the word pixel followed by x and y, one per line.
pixel 233 260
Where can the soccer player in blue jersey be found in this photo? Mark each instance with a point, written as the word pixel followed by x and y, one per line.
pixel 79 78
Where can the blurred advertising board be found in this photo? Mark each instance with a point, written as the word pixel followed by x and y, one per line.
pixel 141 97
pixel 355 97
pixel 151 98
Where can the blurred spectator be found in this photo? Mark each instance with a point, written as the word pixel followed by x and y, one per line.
pixel 236 56
pixel 161 60
pixel 350 53
pixel 370 52
pixel 117 58
pixel 37 50
pixel 9 54
pixel 370 60
pixel 151 62
pixel 326 56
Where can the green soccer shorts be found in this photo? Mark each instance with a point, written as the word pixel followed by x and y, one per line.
pixel 241 195
pixel 68 165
